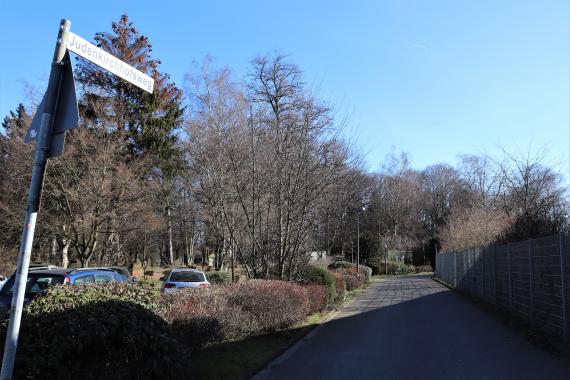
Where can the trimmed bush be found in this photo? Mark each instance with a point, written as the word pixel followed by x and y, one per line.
pixel 272 304
pixel 96 331
pixel 219 277
pixel 231 312
pixel 316 275
pixel 367 271
pixel 394 267
pixel 341 264
pixel 200 317
pixel 317 297
pixel 341 287
pixel 62 298
pixel 423 268
pixel 364 269
pixel 352 282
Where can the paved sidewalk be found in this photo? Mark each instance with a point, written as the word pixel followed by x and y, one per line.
pixel 411 327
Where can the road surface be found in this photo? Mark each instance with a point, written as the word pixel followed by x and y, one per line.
pixel 411 327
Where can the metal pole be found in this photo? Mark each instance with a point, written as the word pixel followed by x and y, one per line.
pixel 494 274
pixel 510 278
pixel 358 242
pixel 455 269
pixel 34 195
pixel 386 258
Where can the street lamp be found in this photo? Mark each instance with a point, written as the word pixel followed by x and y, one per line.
pixel 386 258
pixel 360 209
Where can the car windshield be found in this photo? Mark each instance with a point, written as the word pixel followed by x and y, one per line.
pixel 37 283
pixel 123 272
pixel 187 277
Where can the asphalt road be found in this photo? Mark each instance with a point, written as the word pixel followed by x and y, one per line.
pixel 411 327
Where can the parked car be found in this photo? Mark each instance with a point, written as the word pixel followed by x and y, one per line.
pixel 41 278
pixel 184 278
pixel 125 273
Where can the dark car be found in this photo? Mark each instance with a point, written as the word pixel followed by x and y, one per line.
pixel 41 278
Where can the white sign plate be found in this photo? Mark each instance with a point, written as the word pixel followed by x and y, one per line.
pixel 101 58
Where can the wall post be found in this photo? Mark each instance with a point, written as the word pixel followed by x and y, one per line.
pixel 562 242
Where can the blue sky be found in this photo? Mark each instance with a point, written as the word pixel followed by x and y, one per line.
pixel 434 78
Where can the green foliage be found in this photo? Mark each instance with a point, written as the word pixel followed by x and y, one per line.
pixel 394 267
pixel 91 332
pixel 370 246
pixel 341 264
pixel 219 277
pixel 16 124
pixel 312 274
pixel 61 298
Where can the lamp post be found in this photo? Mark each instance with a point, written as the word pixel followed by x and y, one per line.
pixel 360 209
pixel 386 253
pixel 358 242
pixel 386 258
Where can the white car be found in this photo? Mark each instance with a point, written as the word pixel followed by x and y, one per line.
pixel 184 278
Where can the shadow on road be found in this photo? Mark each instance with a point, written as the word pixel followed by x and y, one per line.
pixel 411 327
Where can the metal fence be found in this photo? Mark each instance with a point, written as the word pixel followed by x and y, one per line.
pixel 529 279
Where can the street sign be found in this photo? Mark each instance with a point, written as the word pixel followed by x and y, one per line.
pixel 66 113
pixel 56 114
pixel 101 58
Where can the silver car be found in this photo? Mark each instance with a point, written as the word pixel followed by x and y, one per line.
pixel 184 278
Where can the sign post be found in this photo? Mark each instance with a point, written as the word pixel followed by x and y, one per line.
pixel 42 152
pixel 55 115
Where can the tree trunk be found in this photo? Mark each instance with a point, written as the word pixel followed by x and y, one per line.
pixel 65 253
pixel 191 251
pixel 53 251
pixel 186 248
pixel 169 227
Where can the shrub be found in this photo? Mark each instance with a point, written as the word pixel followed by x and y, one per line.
pixel 273 304
pixel 377 266
pixel 231 312
pixel 423 268
pixel 219 277
pixel 316 275
pixel 341 264
pixel 402 268
pixel 364 269
pixel 367 271
pixel 200 317
pixel 394 267
pixel 352 282
pixel 62 298
pixel 96 331
pixel 341 287
pixel 316 296
pixel 352 278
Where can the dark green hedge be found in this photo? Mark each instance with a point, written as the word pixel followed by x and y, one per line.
pixel 220 278
pixel 96 331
